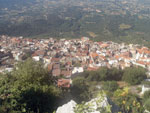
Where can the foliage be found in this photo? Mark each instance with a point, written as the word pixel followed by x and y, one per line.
pixel 80 89
pixel 115 74
pixel 127 102
pixel 90 106
pixel 86 84
pixel 146 96
pixel 147 105
pixel 46 19
pixel 134 75
pixel 77 64
pixel 95 76
pixel 103 74
pixel 29 88
pixel 107 78
pixel 110 86
pixel 146 83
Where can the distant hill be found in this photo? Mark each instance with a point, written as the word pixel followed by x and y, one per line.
pixel 117 20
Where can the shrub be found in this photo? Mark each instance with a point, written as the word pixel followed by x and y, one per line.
pixel 110 85
pixel 146 95
pixel 134 75
pixel 147 105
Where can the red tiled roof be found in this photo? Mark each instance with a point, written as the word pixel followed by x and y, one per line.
pixel 69 63
pixel 100 43
pixel 39 52
pixel 55 59
pixel 93 55
pixel 56 66
pixel 63 83
pixel 141 62
pixel 104 45
pixel 144 50
pixel 66 73
pixel 56 72
pixel 15 40
pixel 92 68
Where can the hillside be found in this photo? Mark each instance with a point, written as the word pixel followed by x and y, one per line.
pixel 117 20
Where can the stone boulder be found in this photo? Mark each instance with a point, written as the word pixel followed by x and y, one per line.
pixel 95 104
pixel 67 108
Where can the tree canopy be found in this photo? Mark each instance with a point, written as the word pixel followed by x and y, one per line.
pixel 29 88
pixel 80 89
pixel 134 75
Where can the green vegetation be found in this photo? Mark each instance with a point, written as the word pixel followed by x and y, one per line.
pixel 146 95
pixel 28 89
pixel 110 86
pixel 80 89
pixel 146 100
pixel 147 105
pixel 103 74
pixel 134 75
pixel 84 83
pixel 127 102
pixel 86 108
pixel 89 83
pixel 69 19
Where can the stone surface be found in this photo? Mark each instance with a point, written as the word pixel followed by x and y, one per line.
pixel 93 104
pixel 67 108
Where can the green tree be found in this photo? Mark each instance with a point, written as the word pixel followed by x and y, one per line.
pixel 134 75
pixel 93 76
pixel 103 74
pixel 103 71
pixel 29 88
pixel 98 75
pixel 80 89
pixel 114 74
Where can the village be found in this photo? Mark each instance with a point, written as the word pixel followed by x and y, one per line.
pixel 65 58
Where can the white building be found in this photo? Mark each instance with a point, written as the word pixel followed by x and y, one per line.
pixel 36 58
pixel 77 70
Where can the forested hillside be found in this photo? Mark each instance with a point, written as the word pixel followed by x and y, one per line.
pixel 127 21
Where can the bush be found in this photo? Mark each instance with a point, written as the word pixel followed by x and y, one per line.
pixel 99 75
pixel 29 89
pixel 114 74
pixel 127 102
pixel 134 75
pixel 110 85
pixel 146 96
pixel 103 74
pixel 147 105
pixel 80 89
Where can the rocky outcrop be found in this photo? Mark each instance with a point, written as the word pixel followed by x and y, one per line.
pixel 67 108
pixel 96 105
